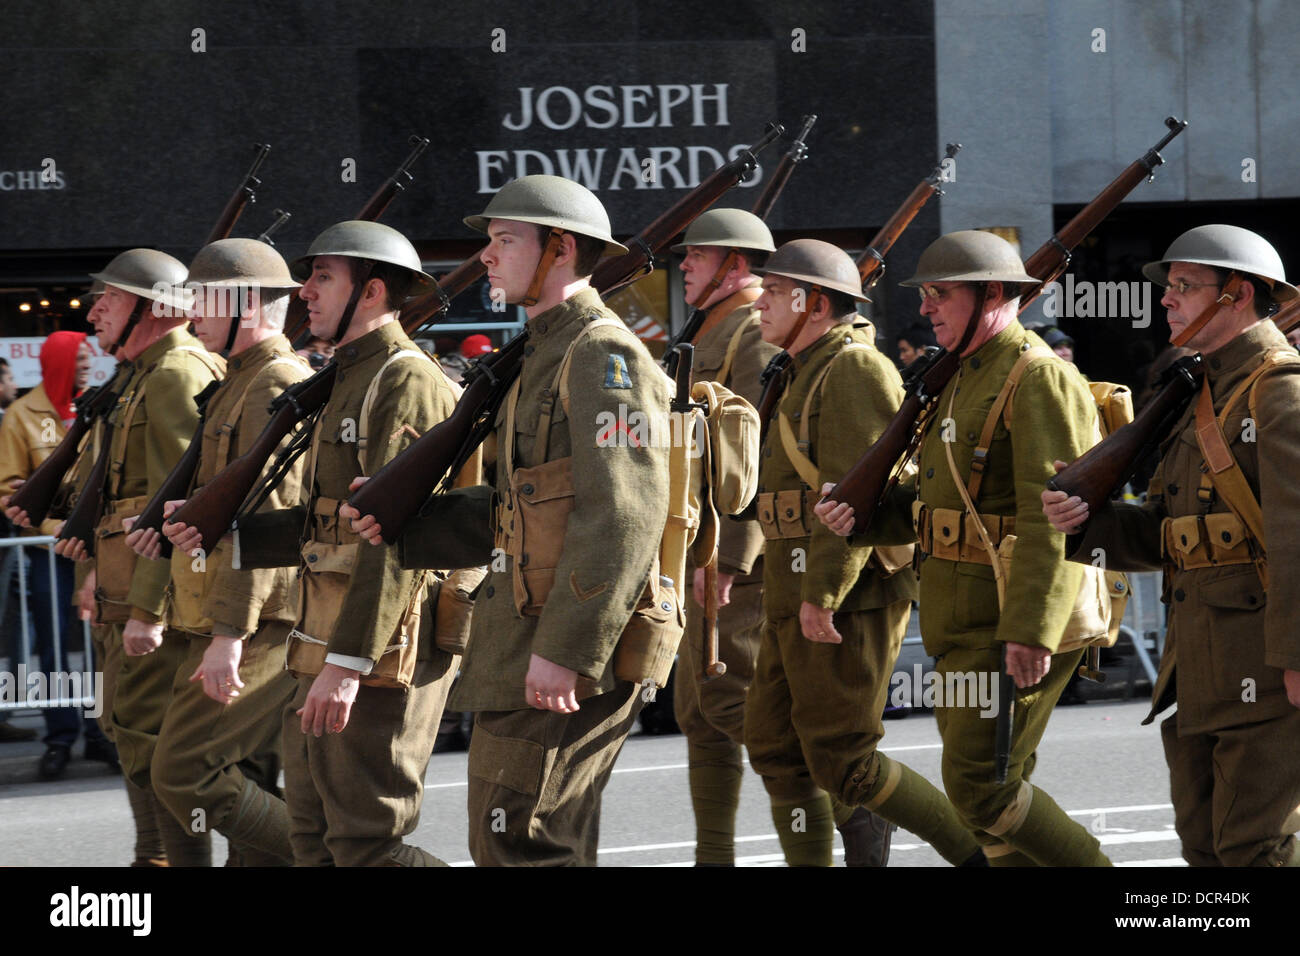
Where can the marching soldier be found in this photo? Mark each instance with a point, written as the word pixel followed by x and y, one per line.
pixel 550 712
pixel 371 684
pixel 720 248
pixel 835 613
pixel 143 313
pixel 231 688
pixel 1221 518
pixel 970 283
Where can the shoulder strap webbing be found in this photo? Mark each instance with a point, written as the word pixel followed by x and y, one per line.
pixel 560 385
pixel 363 426
pixel 733 347
pixel 226 430
pixel 980 459
pixel 798 450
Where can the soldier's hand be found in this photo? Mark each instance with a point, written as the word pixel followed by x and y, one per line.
pixel 818 625
pixel 15 514
pixel 1067 513
pixel 73 548
pixel 140 637
pixel 1027 665
pixel 367 527
pixel 184 536
pixel 549 686
pixel 219 669
pixel 330 700
pixel 725 581
pixel 86 598
pixel 1292 681
pixel 145 542
pixel 838 516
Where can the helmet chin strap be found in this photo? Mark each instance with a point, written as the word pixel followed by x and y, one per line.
pixel 814 300
pixel 350 309
pixel 235 319
pixel 1226 297
pixel 981 298
pixel 549 254
pixel 728 263
pixel 131 321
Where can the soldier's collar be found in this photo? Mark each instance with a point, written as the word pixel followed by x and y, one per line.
pixel 153 353
pixel 374 342
pixel 1014 336
pixel 258 353
pixel 1245 351
pixel 583 302
pixel 834 339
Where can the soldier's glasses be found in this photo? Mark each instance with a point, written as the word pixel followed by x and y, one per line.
pixel 1182 286
pixel 933 293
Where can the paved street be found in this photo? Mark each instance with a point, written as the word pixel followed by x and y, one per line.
pixel 1097 762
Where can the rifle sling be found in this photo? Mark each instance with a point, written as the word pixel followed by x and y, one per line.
pixel 1226 297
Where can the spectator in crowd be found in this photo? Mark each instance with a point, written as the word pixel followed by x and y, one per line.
pixel 32 429
pixel 913 341
pixel 8 576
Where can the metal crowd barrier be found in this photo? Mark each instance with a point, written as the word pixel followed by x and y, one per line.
pixel 21 655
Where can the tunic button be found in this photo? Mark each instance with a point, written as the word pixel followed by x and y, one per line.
pixel 541 327
pixel 1184 537
pixel 929 472
pixel 974 363
pixel 1251 600
pixel 527 489
pixel 1179 595
pixel 528 350
pixel 789 512
pixel 491 590
pixel 311 559
pixel 767 453
pixel 1227 536
pixel 1173 489
pixel 970 436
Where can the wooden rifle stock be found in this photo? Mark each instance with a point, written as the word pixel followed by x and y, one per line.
pixel 38 491
pixel 871 267
pixel 178 482
pixel 1045 265
pixel 244 193
pixel 612 274
pixel 295 323
pixel 797 153
pixel 393 494
pixel 86 512
pixel 1288 317
pixel 399 489
pixel 422 311
pixel 1104 468
pixel 212 508
pixel 1053 257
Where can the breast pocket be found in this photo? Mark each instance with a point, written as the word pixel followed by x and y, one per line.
pixel 1234 605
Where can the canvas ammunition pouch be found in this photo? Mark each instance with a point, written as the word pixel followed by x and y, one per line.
pixel 329 556
pixel 1099 603
pixel 328 559
pixel 795 510
pixel 530 524
pixel 1205 541
pixel 114 560
pixel 951 535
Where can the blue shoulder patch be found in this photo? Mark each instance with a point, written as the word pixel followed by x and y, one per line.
pixel 616 373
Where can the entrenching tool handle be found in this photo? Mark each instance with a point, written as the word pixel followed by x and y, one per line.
pixel 1006 712
pixel 712 666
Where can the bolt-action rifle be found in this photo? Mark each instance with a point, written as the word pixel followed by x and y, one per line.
pixel 871 268
pixel 295 322
pixel 38 491
pixel 399 489
pixel 870 480
pixel 796 154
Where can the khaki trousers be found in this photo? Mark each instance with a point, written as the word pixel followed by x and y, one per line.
pixel 354 795
pixel 712 714
pixel 536 779
pixel 813 718
pixel 1236 792
pixel 202 743
pixel 143 692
